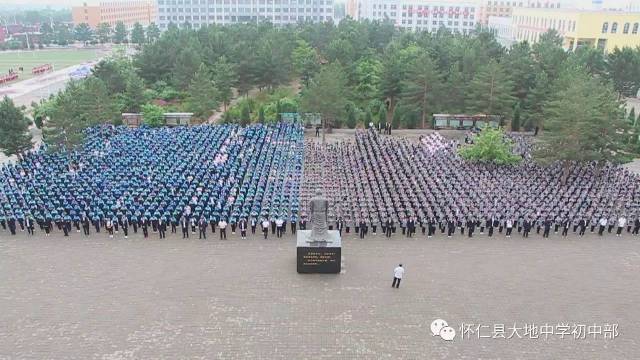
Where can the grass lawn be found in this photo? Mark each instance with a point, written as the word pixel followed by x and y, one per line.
pixel 59 58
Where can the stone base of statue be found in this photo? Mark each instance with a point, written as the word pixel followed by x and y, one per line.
pixel 319 257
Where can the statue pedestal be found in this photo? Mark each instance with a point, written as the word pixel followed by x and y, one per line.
pixel 319 257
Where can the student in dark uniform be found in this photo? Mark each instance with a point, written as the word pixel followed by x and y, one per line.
pixel 162 227
pixel 125 226
pixel 184 225
pixel 202 228
pixel 85 224
pixel 242 225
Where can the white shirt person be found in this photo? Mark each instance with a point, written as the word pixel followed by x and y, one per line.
pixel 398 273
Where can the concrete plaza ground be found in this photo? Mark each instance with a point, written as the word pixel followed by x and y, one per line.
pixel 101 298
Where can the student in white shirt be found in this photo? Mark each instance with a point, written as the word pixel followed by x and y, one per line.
pixel 622 222
pixel 222 224
pixel 603 225
pixel 398 272
pixel 279 225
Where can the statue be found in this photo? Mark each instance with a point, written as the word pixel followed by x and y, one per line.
pixel 318 210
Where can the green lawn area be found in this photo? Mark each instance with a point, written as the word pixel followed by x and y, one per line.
pixel 59 58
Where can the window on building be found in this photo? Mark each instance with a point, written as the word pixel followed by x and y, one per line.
pixel 605 27
pixel 625 29
pixel 614 27
pixel 635 28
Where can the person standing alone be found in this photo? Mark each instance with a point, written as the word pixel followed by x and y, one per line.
pixel 398 272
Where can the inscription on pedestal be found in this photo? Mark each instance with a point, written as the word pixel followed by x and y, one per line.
pixel 319 257
pixel 322 260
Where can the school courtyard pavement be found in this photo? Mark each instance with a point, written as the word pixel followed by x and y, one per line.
pixel 101 298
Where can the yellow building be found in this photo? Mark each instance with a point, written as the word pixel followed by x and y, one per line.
pixel 504 8
pixel 601 29
pixel 111 12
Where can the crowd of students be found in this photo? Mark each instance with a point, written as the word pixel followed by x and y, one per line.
pixel 154 178
pixel 259 179
pixel 385 182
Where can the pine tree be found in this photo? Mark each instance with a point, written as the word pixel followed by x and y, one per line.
pixel 224 77
pixel 582 125
pixel 15 137
pixel 490 91
pixel 133 97
pixel 515 123
pixel 187 64
pixel 421 86
pixel 137 34
pixel 120 33
pixel 202 94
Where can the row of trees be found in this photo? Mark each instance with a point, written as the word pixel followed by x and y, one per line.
pixel 118 34
pixel 358 72
pixel 383 73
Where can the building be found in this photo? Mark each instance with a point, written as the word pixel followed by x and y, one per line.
pixel 601 29
pixel 503 29
pixel 457 16
pixel 504 8
pixel 279 12
pixel 112 12
pixel 351 8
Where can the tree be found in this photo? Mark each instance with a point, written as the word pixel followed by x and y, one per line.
pixel 186 65
pixel 15 137
pixel 83 32
pixel 422 83
pixel 582 124
pixel 113 73
pixel 326 94
pixel 261 115
pixel 521 66
pixel 202 95
pixel 382 115
pixel 592 59
pixel 272 61
pixel 95 102
pixel 245 115
pixel 368 118
pixel 391 79
pixel 367 77
pixel 454 87
pixel 67 120
pixel 535 101
pixel 549 54
pixel 491 146
pixel 137 34
pixel 632 117
pixel 224 76
pixel 490 91
pixel 352 118
pixel 515 123
pixel 120 33
pixel 103 31
pixel 153 32
pixel 63 35
pixel 152 115
pixel 305 61
pixel 624 70
pixel 133 97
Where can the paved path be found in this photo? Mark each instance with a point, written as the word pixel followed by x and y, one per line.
pixel 34 89
pixel 101 298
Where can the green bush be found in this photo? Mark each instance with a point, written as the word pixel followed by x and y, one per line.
pixel 490 145
pixel 153 115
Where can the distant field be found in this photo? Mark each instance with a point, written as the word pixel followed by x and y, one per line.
pixel 58 58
